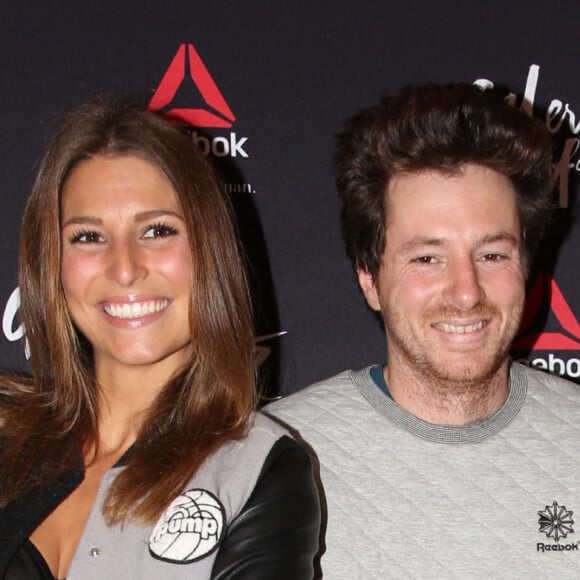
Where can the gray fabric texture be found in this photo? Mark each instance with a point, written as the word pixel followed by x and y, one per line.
pixel 409 499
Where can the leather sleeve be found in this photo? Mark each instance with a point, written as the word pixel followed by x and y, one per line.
pixel 276 534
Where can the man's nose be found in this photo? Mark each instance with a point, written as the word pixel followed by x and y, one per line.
pixel 464 289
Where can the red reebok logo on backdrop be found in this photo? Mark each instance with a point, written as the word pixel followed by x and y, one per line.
pixel 545 287
pixel 187 61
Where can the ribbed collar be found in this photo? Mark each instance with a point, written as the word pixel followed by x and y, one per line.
pixel 474 433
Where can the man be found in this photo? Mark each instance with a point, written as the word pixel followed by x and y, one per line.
pixel 451 461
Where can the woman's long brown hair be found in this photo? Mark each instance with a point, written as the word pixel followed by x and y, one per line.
pixel 49 418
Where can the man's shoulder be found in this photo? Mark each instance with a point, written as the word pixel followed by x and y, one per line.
pixel 319 414
pixel 540 381
pixel 335 387
pixel 554 394
pixel 325 403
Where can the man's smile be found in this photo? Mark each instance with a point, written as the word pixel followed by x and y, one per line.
pixel 460 328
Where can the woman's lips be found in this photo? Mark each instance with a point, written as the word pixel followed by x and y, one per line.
pixel 135 309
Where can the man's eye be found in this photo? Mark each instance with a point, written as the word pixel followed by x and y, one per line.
pixel 160 230
pixel 86 237
pixel 425 260
pixel 493 257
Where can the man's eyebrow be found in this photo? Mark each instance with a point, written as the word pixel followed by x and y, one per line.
pixel 422 242
pixel 500 237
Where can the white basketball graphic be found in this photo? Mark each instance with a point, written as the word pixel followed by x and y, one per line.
pixel 189 529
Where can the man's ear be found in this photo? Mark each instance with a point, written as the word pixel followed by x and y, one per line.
pixel 367 284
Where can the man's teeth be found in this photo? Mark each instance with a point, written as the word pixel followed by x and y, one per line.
pixel 135 309
pixel 464 329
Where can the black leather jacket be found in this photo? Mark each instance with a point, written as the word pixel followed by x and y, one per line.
pixel 275 536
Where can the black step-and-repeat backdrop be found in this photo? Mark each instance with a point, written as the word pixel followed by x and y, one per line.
pixel 266 86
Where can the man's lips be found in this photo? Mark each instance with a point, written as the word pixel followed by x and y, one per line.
pixel 133 310
pixel 460 328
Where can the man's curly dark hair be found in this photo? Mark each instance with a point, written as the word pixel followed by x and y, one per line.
pixel 438 127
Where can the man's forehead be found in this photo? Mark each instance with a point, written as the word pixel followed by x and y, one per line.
pixel 476 202
pixel 432 179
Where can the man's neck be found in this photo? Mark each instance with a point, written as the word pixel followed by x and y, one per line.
pixel 447 402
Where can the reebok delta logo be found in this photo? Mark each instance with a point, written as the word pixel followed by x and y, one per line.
pixel 546 303
pixel 189 529
pixel 185 68
pixel 187 60
pixel 556 522
pixel 545 290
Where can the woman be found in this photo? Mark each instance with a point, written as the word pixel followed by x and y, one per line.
pixel 134 451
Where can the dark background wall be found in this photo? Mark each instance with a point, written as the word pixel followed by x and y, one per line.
pixel 290 73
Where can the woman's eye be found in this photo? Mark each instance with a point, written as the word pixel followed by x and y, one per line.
pixel 86 237
pixel 159 231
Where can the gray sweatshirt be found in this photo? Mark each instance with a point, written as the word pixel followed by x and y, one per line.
pixel 409 499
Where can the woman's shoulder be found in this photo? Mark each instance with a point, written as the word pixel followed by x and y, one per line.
pixel 260 425
pixel 276 533
pixel 253 447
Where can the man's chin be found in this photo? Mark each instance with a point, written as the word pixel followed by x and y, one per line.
pixel 432 362
pixel 464 370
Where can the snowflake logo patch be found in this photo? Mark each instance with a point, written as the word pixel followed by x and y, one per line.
pixel 556 521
